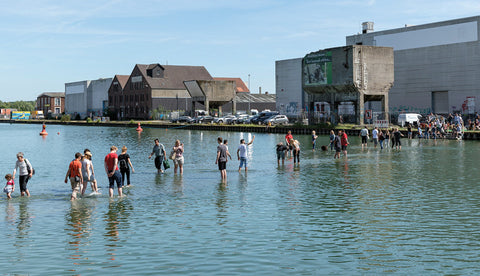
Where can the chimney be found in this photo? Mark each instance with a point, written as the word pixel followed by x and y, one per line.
pixel 259 90
pixel 367 27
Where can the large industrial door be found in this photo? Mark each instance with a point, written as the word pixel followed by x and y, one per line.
pixel 440 102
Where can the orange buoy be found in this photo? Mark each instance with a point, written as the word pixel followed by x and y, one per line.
pixel 139 128
pixel 43 132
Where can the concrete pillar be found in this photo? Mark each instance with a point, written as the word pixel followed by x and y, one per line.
pixel 385 107
pixel 234 106
pixel 207 106
pixel 360 112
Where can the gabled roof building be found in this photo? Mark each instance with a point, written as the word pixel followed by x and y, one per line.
pixel 153 86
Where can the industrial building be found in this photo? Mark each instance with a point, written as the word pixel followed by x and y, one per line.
pixel 87 98
pixel 159 89
pixel 437 65
pixel 334 84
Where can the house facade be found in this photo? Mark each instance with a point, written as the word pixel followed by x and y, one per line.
pixel 153 87
pixel 51 103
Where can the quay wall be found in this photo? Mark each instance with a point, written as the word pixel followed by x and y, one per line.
pixel 214 127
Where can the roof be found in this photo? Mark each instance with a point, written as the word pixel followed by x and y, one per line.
pixel 240 85
pixel 255 98
pixel 52 94
pixel 122 80
pixel 174 75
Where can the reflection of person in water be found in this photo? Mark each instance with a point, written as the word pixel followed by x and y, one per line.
pixel 116 220
pixel 24 220
pixel 79 226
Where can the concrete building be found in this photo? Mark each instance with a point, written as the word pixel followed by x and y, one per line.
pixel 333 82
pixel 51 103
pixel 437 65
pixel 87 98
pixel 290 96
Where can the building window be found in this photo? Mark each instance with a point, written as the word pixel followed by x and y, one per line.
pixel 57 102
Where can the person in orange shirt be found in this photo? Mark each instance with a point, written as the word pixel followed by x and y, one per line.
pixel 75 174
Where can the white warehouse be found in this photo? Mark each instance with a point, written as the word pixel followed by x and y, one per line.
pixel 87 98
pixel 437 65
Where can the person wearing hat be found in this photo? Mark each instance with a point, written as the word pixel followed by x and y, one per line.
pixel 25 172
pixel 88 172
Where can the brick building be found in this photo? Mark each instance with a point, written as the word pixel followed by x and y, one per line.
pixel 51 102
pixel 153 86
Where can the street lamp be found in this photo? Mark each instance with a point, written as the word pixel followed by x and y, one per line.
pixel 249 93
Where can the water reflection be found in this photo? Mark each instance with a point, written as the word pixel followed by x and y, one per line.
pixel 178 184
pixel 116 220
pixel 24 220
pixel 221 203
pixel 79 227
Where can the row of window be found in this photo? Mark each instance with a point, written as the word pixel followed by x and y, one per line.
pixel 134 111
pixel 120 99
pixel 46 100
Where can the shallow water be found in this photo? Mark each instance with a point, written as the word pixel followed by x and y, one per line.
pixel 414 211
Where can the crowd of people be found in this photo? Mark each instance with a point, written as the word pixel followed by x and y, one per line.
pixel 117 167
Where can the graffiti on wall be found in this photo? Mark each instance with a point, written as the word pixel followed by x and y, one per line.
pixel 410 109
pixel 291 108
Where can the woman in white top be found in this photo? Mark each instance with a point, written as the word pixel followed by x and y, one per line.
pixel 88 172
pixel 25 172
pixel 178 161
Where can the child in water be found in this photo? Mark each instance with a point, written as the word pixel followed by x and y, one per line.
pixel 10 187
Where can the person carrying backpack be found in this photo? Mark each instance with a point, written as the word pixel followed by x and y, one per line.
pixel 124 164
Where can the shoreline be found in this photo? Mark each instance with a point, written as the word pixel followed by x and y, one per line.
pixel 302 130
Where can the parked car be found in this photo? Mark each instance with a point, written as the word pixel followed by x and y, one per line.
pixel 221 120
pixel 183 119
pixel 242 118
pixel 204 119
pixel 277 120
pixel 263 116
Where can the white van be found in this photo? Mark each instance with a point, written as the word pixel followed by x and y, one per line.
pixel 408 117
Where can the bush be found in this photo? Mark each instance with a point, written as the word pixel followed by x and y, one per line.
pixel 89 120
pixel 132 122
pixel 65 118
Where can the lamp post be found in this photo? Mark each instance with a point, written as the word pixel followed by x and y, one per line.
pixel 249 93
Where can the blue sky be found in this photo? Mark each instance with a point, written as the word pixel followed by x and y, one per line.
pixel 48 43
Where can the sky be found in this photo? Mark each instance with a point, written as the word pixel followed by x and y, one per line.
pixel 46 43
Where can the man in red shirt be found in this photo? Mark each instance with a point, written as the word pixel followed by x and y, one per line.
pixel 288 138
pixel 113 173
pixel 75 174
pixel 344 142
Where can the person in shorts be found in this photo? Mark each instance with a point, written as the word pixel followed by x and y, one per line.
pixel 74 172
pixel 87 172
pixel 179 160
pixel 281 149
pixel 113 173
pixel 343 141
pixel 222 154
pixel 10 186
pixel 242 153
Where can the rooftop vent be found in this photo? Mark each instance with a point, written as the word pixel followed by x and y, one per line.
pixel 367 27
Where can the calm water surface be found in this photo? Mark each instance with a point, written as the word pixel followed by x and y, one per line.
pixel 414 211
